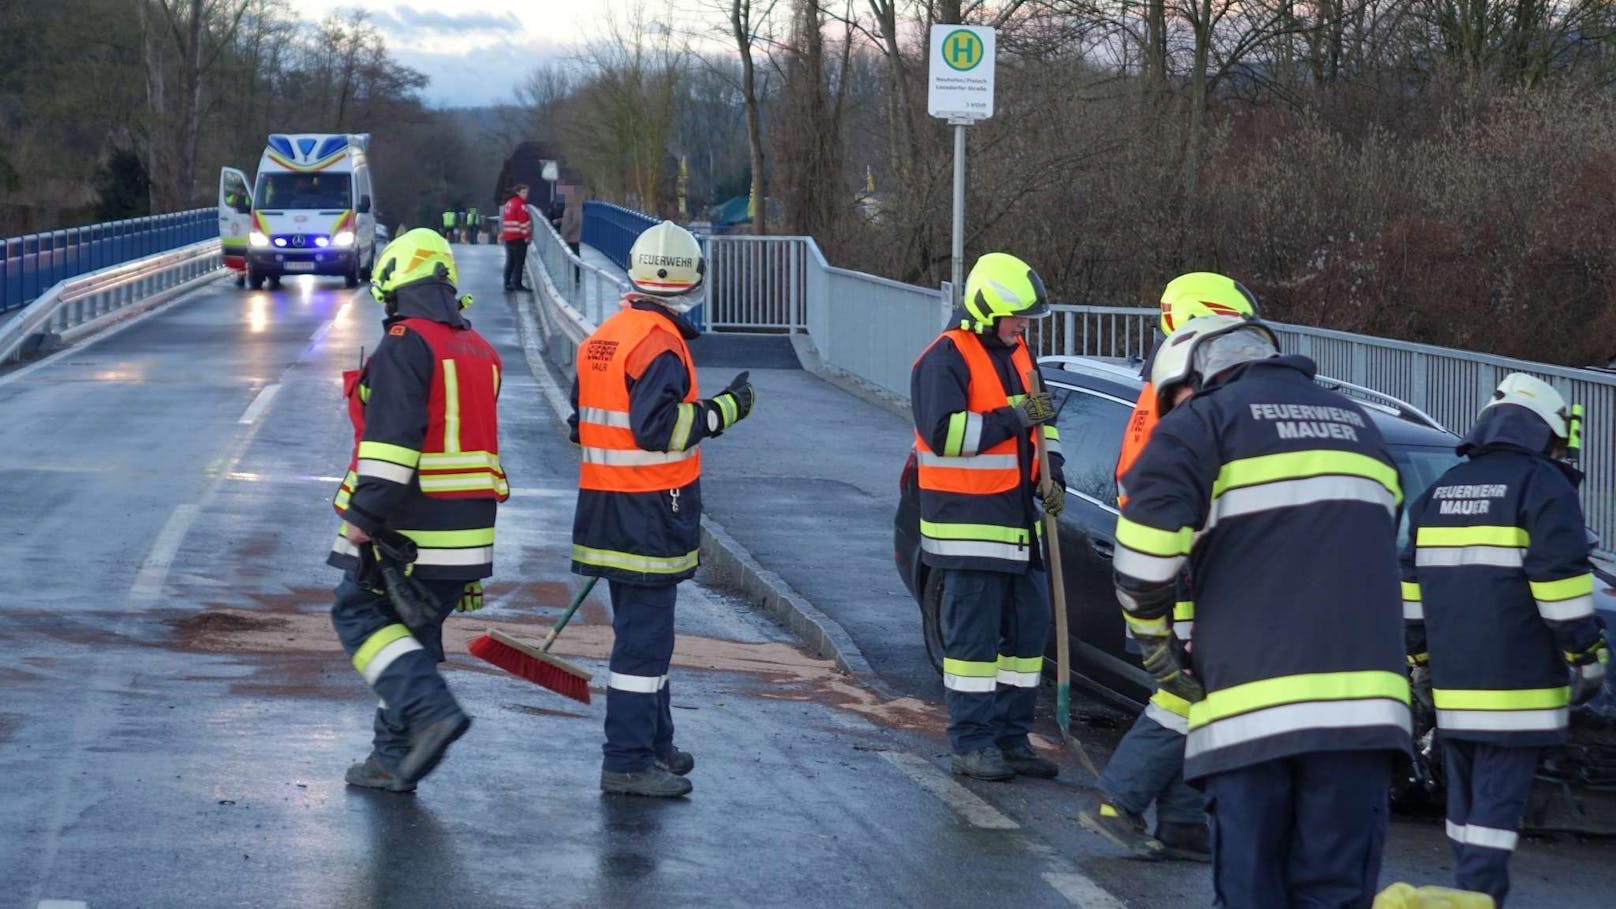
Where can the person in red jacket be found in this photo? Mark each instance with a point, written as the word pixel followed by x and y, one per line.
pixel 515 230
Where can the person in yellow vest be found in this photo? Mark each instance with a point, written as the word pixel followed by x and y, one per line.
pixel 425 477
pixel 449 225
pixel 639 419
pixel 979 518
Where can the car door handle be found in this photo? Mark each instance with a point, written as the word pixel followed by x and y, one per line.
pixel 1103 548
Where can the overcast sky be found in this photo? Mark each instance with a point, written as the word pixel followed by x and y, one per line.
pixel 476 51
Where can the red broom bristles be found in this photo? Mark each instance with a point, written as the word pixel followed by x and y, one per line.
pixel 532 664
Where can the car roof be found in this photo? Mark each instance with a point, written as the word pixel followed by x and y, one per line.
pixel 1399 423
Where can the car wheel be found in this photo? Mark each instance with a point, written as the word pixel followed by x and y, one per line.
pixel 274 282
pixel 255 279
pixel 931 619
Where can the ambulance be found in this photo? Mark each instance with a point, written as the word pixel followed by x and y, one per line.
pixel 309 213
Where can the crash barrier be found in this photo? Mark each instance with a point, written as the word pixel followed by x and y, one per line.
pixel 612 229
pixel 1449 385
pixel 79 305
pixel 31 264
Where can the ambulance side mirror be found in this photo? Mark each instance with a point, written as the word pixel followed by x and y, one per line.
pixel 364 205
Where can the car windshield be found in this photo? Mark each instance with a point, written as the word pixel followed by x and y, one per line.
pixel 1419 467
pixel 330 191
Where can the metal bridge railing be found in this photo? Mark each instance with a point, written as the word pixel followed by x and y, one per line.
pixel 1450 385
pixel 612 229
pixel 78 305
pixel 757 283
pixel 31 264
pixel 590 293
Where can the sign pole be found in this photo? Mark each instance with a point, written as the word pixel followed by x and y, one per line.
pixel 959 212
pixel 960 90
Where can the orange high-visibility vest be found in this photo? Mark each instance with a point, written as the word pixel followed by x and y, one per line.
pixel 986 472
pixel 612 460
pixel 1141 423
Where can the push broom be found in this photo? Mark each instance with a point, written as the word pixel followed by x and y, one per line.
pixel 535 663
pixel 1057 589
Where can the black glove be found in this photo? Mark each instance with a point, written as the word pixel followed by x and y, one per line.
pixel 731 405
pixel 1588 672
pixel 395 554
pixel 1054 498
pixel 1162 660
pixel 1035 409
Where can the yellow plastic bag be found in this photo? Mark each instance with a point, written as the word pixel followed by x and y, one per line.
pixel 1407 896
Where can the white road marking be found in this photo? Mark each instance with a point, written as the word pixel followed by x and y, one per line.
pixel 964 802
pixel 154 571
pixel 63 904
pixel 265 395
pixel 1081 890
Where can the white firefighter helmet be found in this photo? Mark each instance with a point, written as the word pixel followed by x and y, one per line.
pixel 1535 395
pixel 666 261
pixel 1205 346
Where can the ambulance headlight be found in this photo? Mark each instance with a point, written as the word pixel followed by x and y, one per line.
pixel 257 240
pixel 344 239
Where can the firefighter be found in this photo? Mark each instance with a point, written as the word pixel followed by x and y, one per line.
pixel 980 525
pixel 639 418
pixel 1148 764
pixel 1498 596
pixel 449 224
pixel 1280 500
pixel 425 466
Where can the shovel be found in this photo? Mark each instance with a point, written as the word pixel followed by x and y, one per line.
pixel 1057 589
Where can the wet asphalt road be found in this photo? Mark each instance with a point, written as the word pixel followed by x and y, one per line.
pixel 177 713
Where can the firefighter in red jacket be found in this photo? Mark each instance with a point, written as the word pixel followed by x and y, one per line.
pixel 978 476
pixel 425 469
pixel 515 231
pixel 639 418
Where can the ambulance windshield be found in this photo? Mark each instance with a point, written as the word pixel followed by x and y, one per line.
pixel 292 190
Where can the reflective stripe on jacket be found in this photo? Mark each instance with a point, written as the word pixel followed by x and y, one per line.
pixel 638 422
pixel 975 489
pixel 1497 586
pixel 1290 541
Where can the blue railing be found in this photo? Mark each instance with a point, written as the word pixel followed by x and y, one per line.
pixel 32 264
pixel 612 229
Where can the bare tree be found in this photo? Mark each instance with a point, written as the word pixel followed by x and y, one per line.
pixel 183 41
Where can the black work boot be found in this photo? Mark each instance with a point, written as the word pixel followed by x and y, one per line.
pixel 1123 828
pixel 428 745
pixel 1186 842
pixel 652 782
pixel 983 764
pixel 370 774
pixel 1026 762
pixel 676 762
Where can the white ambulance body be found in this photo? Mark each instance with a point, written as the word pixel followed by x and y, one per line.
pixel 310 211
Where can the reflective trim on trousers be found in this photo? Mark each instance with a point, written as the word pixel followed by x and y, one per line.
pixel 1297 717
pixel 970 684
pixel 1459 556
pixel 1485 837
pixel 1018 679
pixel 1413 611
pixel 379 651
pixel 639 684
pixel 1549 720
pixel 385 470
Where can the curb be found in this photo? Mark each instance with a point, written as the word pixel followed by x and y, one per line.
pixel 728 564
pixel 869 392
pixel 725 562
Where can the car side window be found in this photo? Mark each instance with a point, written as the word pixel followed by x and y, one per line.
pixel 1091 429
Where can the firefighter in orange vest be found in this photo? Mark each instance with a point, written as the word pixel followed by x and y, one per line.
pixel 424 478
pixel 1148 764
pixel 979 519
pixel 639 419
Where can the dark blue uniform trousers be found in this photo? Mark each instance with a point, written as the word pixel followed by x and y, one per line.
pixel 990 618
pixel 1148 766
pixel 401 668
pixel 1302 832
pixel 639 723
pixel 1487 790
